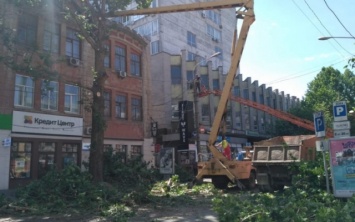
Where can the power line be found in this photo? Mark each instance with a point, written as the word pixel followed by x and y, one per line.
pixel 325 27
pixel 310 72
pixel 338 19
pixel 316 27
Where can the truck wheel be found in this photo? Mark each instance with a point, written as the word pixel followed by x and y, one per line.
pixel 266 187
pixel 279 187
pixel 220 182
pixel 251 184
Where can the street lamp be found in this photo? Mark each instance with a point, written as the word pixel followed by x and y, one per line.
pixel 196 82
pixel 334 37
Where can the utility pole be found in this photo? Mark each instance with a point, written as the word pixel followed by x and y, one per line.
pixel 197 89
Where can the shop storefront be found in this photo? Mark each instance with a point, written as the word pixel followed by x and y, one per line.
pixel 42 142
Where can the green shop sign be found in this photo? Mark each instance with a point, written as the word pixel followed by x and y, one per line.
pixel 5 121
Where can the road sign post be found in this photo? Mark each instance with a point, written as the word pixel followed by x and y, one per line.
pixel 319 124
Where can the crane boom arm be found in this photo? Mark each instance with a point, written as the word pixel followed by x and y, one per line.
pixel 304 123
pixel 188 7
pixel 237 50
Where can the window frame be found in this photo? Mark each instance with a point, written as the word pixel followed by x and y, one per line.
pixel 175 75
pixel 44 94
pixel 136 109
pixel 120 58
pixel 27 27
pixel 122 105
pixel 72 102
pixel 136 150
pixel 23 92
pixel 155 47
pixel 51 35
pixel 14 154
pixel 74 42
pixel 191 39
pixel 135 64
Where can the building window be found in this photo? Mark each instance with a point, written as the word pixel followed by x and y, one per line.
pixel 205 109
pixel 253 94
pixel 189 78
pixel 71 99
pixel 218 49
pixel 214 33
pixel 191 57
pixel 154 46
pixel 20 160
pixel 24 87
pixel 191 39
pixel 46 160
pixel 261 99
pixel 136 104
pixel 213 16
pixel 69 154
pixel 121 109
pixel 148 29
pixel 236 91
pixel 49 95
pixel 72 47
pixel 238 122
pixel 175 72
pixel 215 84
pixel 26 30
pixel 245 93
pixel 135 65
pixel 204 81
pixel 121 151
pixel 107 60
pixel 136 151
pixel 255 120
pixel 51 38
pixel 120 59
pixel 107 104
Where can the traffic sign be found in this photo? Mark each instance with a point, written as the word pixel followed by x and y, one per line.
pixel 322 145
pixel 319 124
pixel 342 125
pixel 341 133
pixel 339 111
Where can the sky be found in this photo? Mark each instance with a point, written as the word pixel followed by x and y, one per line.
pixel 282 50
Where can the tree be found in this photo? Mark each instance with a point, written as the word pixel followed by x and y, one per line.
pixel 92 18
pixel 284 128
pixel 330 85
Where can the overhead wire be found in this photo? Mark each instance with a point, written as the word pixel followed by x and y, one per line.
pixel 316 26
pixel 338 19
pixel 315 69
pixel 326 27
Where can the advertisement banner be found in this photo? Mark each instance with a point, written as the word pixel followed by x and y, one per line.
pixel 342 165
pixel 167 160
pixel 185 117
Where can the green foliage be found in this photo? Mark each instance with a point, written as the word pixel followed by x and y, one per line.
pixel 330 85
pixel 305 200
pixel 284 128
pixel 67 189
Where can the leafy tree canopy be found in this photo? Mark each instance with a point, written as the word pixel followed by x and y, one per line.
pixel 330 85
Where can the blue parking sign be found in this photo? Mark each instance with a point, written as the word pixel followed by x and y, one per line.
pixel 340 111
pixel 319 124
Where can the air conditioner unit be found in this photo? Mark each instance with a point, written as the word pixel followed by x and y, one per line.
pixel 88 130
pixel 122 74
pixel 74 61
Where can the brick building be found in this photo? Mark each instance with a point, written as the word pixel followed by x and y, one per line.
pixel 44 122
